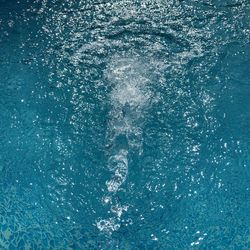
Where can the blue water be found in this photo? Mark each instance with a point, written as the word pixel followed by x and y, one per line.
pixel 124 124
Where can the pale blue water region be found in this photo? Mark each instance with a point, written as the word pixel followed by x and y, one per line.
pixel 124 124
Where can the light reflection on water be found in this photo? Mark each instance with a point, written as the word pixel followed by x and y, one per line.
pixel 124 124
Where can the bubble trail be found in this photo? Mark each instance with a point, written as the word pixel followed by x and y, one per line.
pixel 129 98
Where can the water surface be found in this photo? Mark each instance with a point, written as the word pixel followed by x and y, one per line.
pixel 124 124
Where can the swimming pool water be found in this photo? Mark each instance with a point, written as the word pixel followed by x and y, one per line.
pixel 124 124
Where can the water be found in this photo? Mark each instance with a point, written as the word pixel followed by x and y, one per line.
pixel 124 124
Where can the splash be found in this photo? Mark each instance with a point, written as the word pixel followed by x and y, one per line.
pixel 129 99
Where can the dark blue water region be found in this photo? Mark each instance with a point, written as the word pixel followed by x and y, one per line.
pixel 124 124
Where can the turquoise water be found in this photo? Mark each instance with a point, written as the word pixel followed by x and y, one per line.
pixel 124 124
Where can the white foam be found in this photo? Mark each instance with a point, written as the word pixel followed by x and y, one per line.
pixel 129 99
